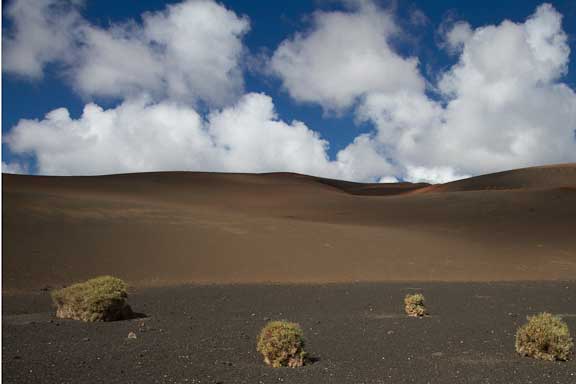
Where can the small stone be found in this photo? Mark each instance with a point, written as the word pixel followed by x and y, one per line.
pixel 86 339
pixel 132 336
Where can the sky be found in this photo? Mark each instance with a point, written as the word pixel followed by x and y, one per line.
pixel 371 91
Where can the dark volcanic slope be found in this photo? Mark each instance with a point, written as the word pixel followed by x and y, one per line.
pixel 157 228
pixel 207 335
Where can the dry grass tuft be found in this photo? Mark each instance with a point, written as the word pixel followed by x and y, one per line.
pixel 414 305
pixel 100 299
pixel 544 337
pixel 282 344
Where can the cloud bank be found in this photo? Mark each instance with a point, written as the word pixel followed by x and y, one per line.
pixel 139 135
pixel 42 32
pixel 344 56
pixel 501 105
pixel 190 51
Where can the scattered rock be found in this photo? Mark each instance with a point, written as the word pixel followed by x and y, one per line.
pixel 142 327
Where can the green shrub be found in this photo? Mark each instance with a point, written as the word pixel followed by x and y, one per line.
pixel 100 299
pixel 282 344
pixel 414 305
pixel 544 337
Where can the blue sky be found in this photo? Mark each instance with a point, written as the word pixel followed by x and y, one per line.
pixel 431 145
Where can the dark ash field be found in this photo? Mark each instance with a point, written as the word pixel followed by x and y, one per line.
pixel 356 333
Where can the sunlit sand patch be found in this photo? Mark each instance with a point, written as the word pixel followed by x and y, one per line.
pixel 234 230
pixel 564 315
pixel 563 262
pixel 390 315
pixel 477 358
pixel 385 315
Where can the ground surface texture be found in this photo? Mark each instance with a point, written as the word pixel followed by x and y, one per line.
pixel 469 246
pixel 356 333
pixel 181 227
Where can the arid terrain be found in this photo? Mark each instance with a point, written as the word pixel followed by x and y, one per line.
pixel 166 228
pixel 211 257
pixel 356 333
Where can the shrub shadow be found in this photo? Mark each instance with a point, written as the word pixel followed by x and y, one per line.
pixel 135 316
pixel 310 360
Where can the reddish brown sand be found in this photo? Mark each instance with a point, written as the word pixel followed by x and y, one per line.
pixel 165 228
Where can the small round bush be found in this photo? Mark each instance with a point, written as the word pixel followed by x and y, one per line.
pixel 414 305
pixel 100 299
pixel 544 337
pixel 282 344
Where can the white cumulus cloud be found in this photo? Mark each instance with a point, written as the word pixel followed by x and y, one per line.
pixel 501 106
pixel 139 135
pixel 191 51
pixel 42 32
pixel 457 36
pixel 343 56
pixel 13 167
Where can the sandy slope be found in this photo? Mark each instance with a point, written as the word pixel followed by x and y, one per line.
pixel 206 227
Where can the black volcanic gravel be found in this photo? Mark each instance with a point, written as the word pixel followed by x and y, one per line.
pixel 356 333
